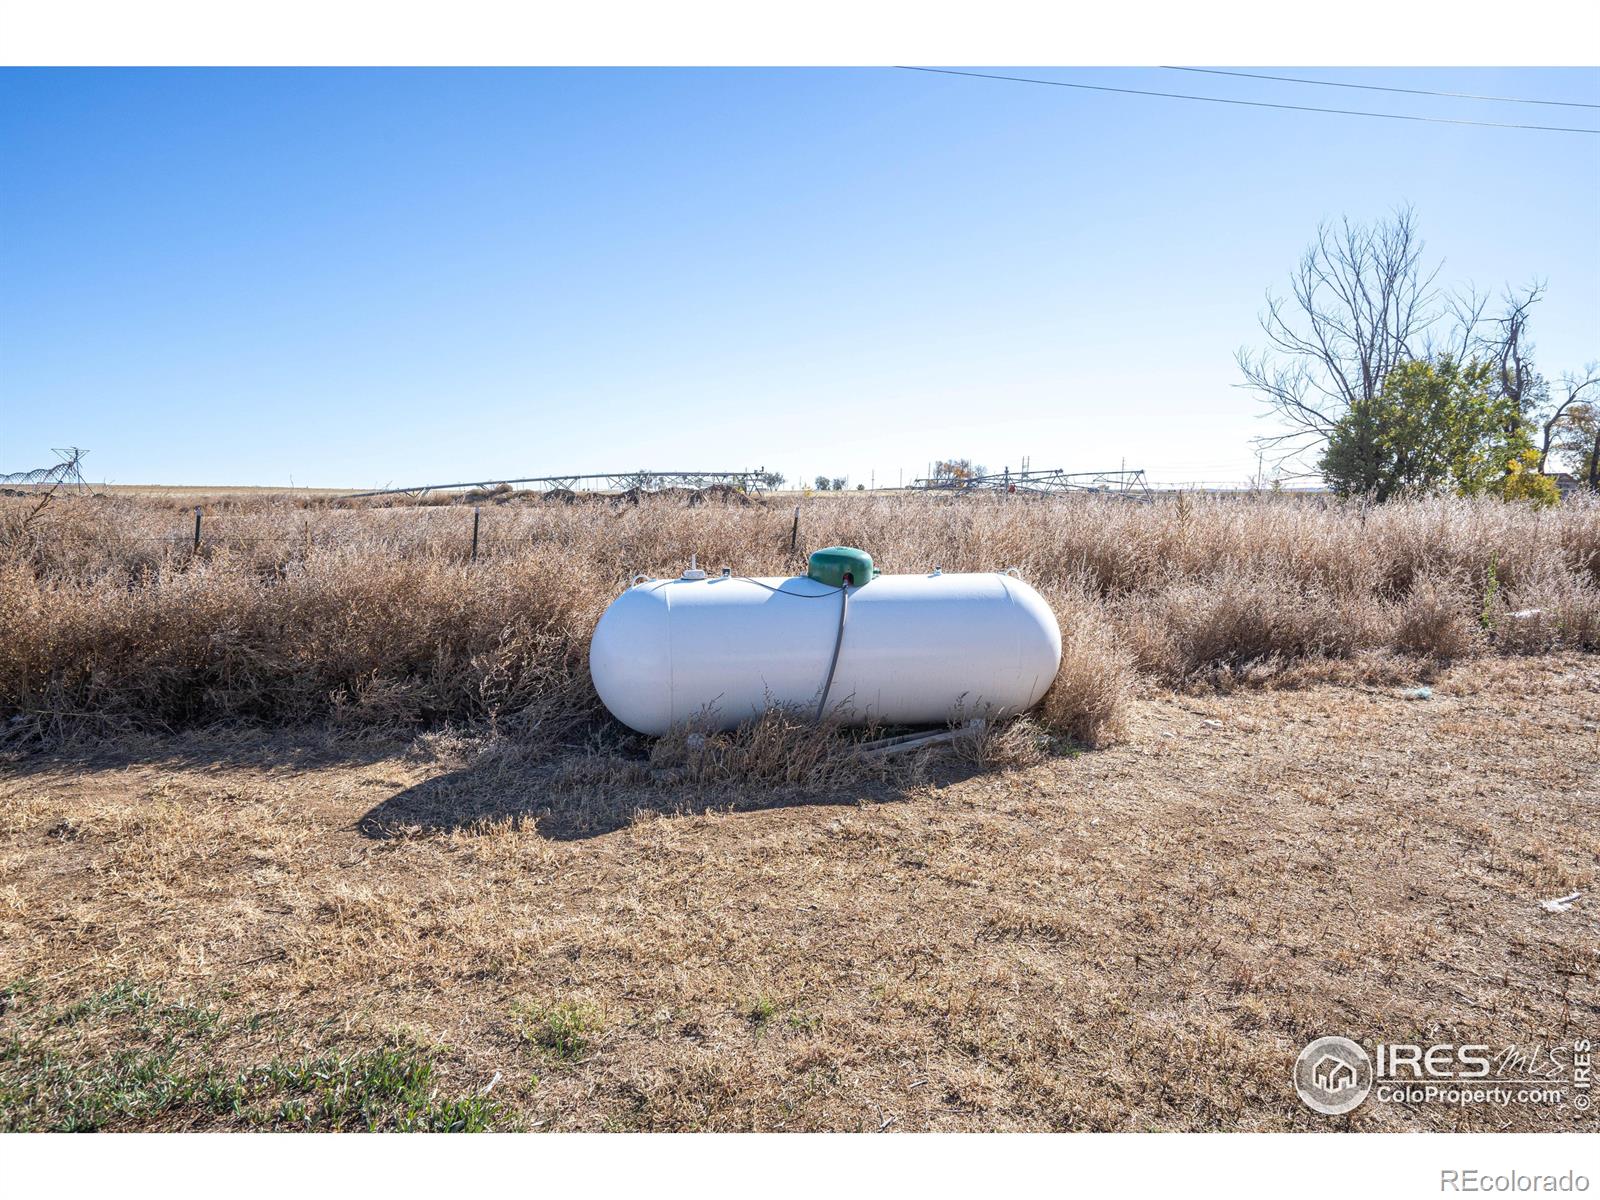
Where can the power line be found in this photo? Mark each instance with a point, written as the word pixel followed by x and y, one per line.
pixel 1343 112
pixel 1372 87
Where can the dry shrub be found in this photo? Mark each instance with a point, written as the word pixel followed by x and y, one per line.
pixel 1225 626
pixel 1089 699
pixel 1021 742
pixel 1577 533
pixel 1435 621
pixel 1553 609
pixel 368 641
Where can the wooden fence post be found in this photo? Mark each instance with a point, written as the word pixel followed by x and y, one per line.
pixel 197 527
pixel 794 533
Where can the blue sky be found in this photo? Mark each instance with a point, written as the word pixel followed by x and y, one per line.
pixel 375 277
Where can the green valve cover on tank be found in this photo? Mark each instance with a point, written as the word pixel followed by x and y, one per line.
pixel 840 565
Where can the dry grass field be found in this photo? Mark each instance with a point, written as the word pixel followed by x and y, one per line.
pixel 321 826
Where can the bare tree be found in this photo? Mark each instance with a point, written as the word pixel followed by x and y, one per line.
pixel 1590 458
pixel 1511 352
pixel 1566 426
pixel 1503 342
pixel 1361 303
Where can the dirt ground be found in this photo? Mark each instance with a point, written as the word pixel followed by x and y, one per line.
pixel 1142 937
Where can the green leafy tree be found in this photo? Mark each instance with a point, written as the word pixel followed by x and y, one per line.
pixel 956 470
pixel 1438 425
pixel 1525 482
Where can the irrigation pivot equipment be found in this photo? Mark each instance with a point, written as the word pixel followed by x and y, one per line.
pixel 1052 482
pixel 66 473
pixel 615 481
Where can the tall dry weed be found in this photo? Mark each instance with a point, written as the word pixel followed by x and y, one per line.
pixel 374 616
pixel 1092 691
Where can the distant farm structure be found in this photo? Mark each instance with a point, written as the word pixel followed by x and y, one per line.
pixel 1042 482
pixel 615 482
pixel 1131 483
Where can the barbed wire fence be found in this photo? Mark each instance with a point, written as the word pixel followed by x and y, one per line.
pixel 469 534
pixel 210 530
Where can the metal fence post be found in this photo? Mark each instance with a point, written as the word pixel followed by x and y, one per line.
pixel 197 527
pixel 794 533
pixel 476 512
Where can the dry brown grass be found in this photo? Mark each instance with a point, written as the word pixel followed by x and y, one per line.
pixel 299 611
pixel 1140 937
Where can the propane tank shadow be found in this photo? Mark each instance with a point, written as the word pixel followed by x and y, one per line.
pixel 478 796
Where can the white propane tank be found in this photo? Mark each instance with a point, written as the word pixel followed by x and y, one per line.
pixel 913 650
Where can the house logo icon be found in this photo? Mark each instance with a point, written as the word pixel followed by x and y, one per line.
pixel 1333 1075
